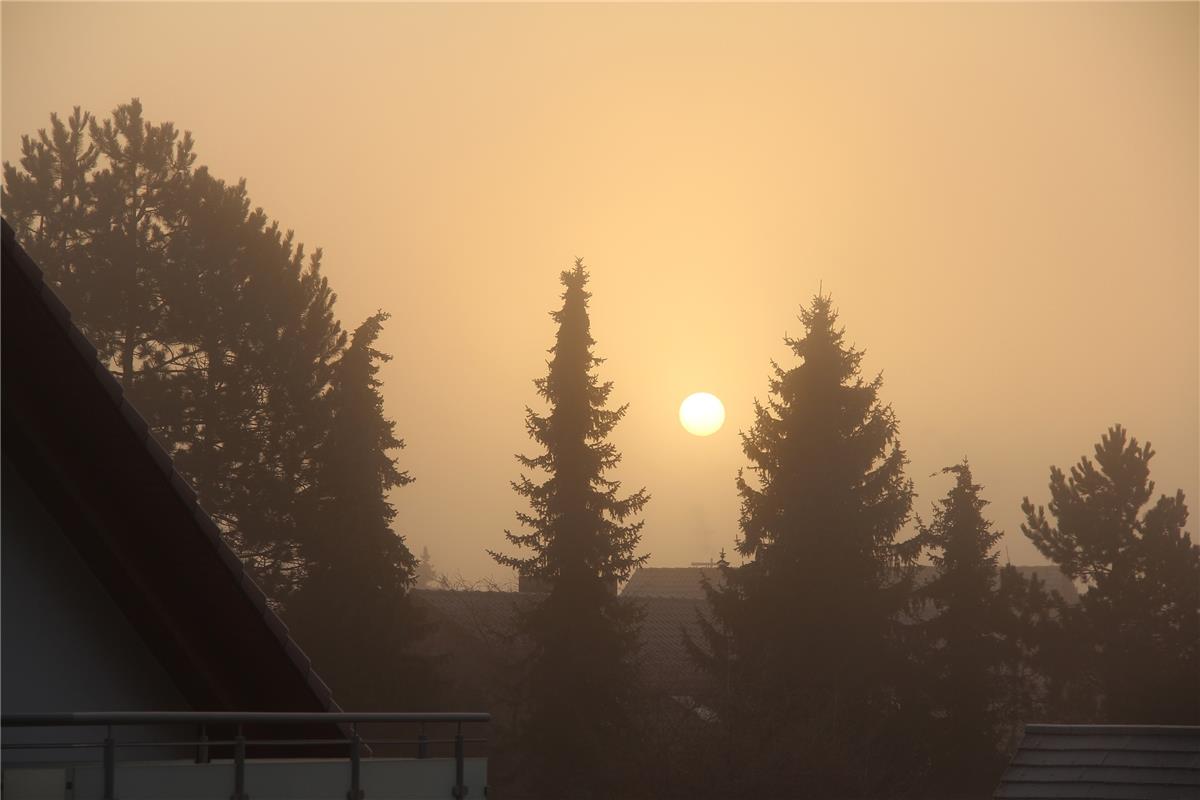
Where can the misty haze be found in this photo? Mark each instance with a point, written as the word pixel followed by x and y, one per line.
pixel 600 400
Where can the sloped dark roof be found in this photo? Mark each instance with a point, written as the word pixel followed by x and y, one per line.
pixel 664 658
pixel 670 582
pixel 88 454
pixel 480 614
pixel 1107 762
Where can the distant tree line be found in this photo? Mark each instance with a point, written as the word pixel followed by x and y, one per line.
pixel 839 675
pixel 834 671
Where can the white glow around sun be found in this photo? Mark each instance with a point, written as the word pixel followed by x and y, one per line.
pixel 702 414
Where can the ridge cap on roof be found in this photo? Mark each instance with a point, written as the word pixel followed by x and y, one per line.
pixel 136 424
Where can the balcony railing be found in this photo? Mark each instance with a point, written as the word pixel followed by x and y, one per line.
pixel 338 741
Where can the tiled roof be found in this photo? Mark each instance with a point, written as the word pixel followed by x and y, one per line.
pixel 59 391
pixel 1109 762
pixel 479 614
pixel 670 582
pixel 665 661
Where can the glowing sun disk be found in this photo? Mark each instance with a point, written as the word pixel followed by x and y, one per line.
pixel 702 414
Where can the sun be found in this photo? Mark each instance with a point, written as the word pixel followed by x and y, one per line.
pixel 702 414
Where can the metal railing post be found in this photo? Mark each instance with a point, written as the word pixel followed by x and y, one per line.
pixel 460 791
pixel 355 792
pixel 202 748
pixel 110 765
pixel 202 744
pixel 239 765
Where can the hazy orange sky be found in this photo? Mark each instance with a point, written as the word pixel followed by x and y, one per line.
pixel 1002 199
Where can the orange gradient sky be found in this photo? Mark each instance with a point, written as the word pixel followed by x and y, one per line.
pixel 1002 200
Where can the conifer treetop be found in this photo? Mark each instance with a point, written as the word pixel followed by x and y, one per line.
pixel 577 521
pixel 823 434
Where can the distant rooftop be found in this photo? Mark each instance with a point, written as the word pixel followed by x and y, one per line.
pixel 685 582
pixel 682 582
pixel 1115 762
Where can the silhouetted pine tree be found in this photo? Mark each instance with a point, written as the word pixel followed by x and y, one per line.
pixel 87 208
pixel 805 637
pixel 246 409
pixel 351 613
pixel 967 652
pixel 576 733
pixel 219 328
pixel 1138 621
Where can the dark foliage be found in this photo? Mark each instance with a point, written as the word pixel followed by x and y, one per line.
pixel 351 608
pixel 832 673
pixel 806 638
pixel 577 690
pixel 223 334
pixel 1137 630
pixel 964 635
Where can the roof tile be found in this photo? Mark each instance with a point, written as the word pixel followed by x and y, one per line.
pixel 1109 762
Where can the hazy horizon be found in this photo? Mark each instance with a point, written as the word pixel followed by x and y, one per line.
pixel 1001 199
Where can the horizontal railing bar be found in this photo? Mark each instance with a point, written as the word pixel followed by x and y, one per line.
pixel 99 718
pixel 230 742
pixel 294 742
pixel 418 741
pixel 51 746
pixel 226 742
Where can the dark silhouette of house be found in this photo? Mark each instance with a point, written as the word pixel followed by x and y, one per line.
pixel 121 601
pixel 118 590
pixel 1114 762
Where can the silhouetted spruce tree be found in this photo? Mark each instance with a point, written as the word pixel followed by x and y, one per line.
pixel 805 638
pixel 965 662
pixel 576 733
pixel 1137 623
pixel 351 612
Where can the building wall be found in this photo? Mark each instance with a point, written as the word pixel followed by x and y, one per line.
pixel 66 645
